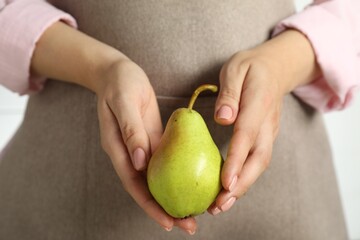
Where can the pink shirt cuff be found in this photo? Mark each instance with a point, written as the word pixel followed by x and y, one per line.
pixel 21 25
pixel 333 30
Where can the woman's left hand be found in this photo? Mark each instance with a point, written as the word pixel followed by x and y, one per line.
pixel 252 86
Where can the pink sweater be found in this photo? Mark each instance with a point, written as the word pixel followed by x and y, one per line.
pixel 333 28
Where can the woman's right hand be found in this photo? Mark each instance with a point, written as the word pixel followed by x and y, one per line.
pixel 130 124
pixel 131 128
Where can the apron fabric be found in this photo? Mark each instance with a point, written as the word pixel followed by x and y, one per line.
pixel 57 183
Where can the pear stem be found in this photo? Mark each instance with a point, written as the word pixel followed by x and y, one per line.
pixel 200 89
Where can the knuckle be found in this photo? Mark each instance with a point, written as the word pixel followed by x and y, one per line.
pixel 264 158
pixel 232 154
pixel 275 121
pixel 233 69
pixel 117 100
pixel 128 133
pixel 127 182
pixel 248 135
pixel 230 94
pixel 243 189
pixel 267 98
pixel 230 70
pixel 266 162
pixel 125 187
pixel 104 144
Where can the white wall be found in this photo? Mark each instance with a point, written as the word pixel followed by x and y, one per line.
pixel 344 133
pixel 12 107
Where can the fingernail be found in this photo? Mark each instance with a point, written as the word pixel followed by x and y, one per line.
pixel 225 112
pixel 191 232
pixel 233 183
pixel 139 160
pixel 168 229
pixel 226 206
pixel 216 211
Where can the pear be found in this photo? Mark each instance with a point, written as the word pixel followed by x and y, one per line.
pixel 184 172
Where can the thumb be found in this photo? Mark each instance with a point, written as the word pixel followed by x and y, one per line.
pixel 227 103
pixel 133 133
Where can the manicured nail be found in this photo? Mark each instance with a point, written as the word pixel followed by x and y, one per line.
pixel 168 229
pixel 225 112
pixel 226 206
pixel 216 211
pixel 191 232
pixel 233 183
pixel 139 160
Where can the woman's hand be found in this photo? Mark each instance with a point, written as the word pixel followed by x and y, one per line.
pixel 130 127
pixel 252 86
pixel 129 117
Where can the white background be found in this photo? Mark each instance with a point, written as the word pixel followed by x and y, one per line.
pixel 343 128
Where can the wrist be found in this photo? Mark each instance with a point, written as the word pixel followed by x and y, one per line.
pixel 69 55
pixel 99 66
pixel 294 57
pixel 108 71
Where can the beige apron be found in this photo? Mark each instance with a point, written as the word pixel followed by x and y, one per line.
pixel 57 183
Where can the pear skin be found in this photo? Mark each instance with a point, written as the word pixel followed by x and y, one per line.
pixel 184 172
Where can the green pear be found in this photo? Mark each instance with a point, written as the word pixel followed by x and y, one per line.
pixel 184 172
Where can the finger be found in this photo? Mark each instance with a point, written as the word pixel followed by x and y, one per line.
pixel 152 123
pixel 188 224
pixel 254 106
pixel 254 166
pixel 259 158
pixel 133 181
pixel 231 80
pixel 129 118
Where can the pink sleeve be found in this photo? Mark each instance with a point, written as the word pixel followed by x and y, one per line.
pixel 22 22
pixel 333 28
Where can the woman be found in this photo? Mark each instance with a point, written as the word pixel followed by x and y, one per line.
pixel 142 59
